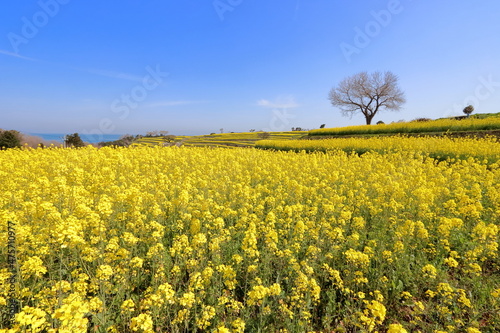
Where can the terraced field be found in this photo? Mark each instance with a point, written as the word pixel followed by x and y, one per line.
pixel 227 140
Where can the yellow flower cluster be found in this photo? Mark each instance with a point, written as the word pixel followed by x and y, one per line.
pixel 169 239
pixel 259 292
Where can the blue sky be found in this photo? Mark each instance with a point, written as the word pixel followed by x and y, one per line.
pixel 195 67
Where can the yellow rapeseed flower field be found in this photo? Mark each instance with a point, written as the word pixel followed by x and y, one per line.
pixel 434 146
pixel 169 239
pixel 433 126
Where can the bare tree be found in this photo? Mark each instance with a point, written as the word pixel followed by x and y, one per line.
pixel 367 93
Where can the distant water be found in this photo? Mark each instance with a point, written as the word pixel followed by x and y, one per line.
pixel 86 138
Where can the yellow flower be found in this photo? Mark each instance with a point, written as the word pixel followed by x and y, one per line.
pixel 250 241
pixel 396 328
pixel 257 294
pixel 182 315
pixel 474 269
pixel 398 246
pixel 462 298
pixel 357 258
pixel 187 300
pixel 406 295
pixel 429 271
pixel 95 304
pixel 275 289
pixel 387 256
pixel 377 310
pixel 199 239
pixel 451 262
pixel 419 305
pixel 33 319
pixel 251 268
pixel 128 306
pixel 104 272
pixel 143 323
pixel 72 314
pixel 136 262
pixel 229 275
pixel 167 293
pixel 33 266
pixel 431 294
pixel 208 312
pixel 237 258
pixel 238 325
